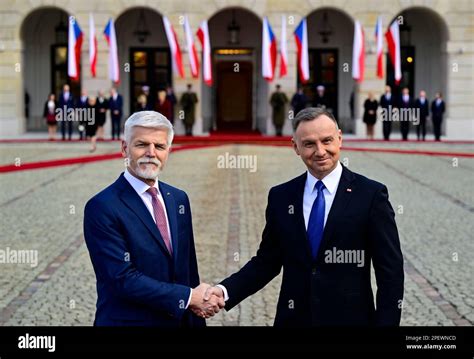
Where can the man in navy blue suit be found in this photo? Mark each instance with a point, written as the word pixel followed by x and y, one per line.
pixel 140 239
pixel 116 111
pixel 325 228
pixel 66 105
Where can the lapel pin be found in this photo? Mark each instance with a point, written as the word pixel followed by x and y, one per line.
pixel 167 193
pixel 349 189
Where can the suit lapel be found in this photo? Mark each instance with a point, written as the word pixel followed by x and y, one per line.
pixel 342 198
pixel 133 201
pixel 170 205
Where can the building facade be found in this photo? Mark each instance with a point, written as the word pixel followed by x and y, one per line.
pixel 436 38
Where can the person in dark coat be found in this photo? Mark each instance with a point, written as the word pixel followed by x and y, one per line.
pixel 405 106
pixel 170 96
pixel 188 104
pixel 49 114
pixel 388 103
pixel 116 111
pixel 299 101
pixel 370 115
pixel 437 112
pixel 66 106
pixel 82 104
pixel 163 106
pixel 102 105
pixel 422 105
pixel 91 125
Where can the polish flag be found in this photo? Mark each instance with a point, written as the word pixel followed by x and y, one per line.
pixel 358 53
pixel 174 47
pixel 109 33
pixel 393 40
pixel 74 49
pixel 269 51
pixel 301 38
pixel 92 46
pixel 283 52
pixel 193 58
pixel 379 42
pixel 203 36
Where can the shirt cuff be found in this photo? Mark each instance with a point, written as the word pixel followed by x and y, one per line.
pixel 226 296
pixel 190 295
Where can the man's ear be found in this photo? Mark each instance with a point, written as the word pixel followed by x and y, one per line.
pixel 124 149
pixel 295 147
pixel 339 134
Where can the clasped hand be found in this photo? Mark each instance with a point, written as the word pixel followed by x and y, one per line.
pixel 206 300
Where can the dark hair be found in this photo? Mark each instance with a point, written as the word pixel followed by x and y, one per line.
pixel 310 114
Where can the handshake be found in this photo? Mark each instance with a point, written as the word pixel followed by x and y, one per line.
pixel 206 300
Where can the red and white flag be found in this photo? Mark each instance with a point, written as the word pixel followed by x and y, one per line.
pixel 92 45
pixel 269 51
pixel 283 51
pixel 393 41
pixel 109 33
pixel 74 45
pixel 203 36
pixel 193 58
pixel 174 47
pixel 379 42
pixel 358 53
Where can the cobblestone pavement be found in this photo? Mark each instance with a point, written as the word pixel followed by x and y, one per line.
pixel 433 197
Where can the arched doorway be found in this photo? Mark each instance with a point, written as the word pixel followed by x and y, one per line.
pixel 44 34
pixel 423 38
pixel 142 44
pixel 237 101
pixel 330 35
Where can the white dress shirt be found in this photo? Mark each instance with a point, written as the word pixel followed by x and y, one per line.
pixel 331 182
pixel 141 188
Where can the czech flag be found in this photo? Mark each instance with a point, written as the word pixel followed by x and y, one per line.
pixel 203 36
pixel 193 58
pixel 358 53
pixel 269 51
pixel 109 32
pixel 92 46
pixel 174 47
pixel 379 42
pixel 301 37
pixel 283 52
pixel 393 41
pixel 74 49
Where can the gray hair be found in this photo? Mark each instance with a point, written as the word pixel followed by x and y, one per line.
pixel 310 114
pixel 149 119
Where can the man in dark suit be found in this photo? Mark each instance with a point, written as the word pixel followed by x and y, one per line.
pixel 387 102
pixel 116 111
pixel 325 228
pixel 405 107
pixel 66 105
pixel 437 112
pixel 140 239
pixel 423 107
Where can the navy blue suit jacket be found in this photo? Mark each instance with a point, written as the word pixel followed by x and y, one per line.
pixel 116 105
pixel 321 292
pixel 138 281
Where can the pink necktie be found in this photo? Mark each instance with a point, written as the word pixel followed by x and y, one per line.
pixel 160 217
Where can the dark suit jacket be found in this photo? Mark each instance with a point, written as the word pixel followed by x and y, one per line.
pixel 384 103
pixel 116 105
pixel 138 281
pixel 424 109
pixel 319 292
pixel 437 111
pixel 62 102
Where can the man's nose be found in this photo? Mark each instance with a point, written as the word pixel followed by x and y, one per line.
pixel 150 150
pixel 320 150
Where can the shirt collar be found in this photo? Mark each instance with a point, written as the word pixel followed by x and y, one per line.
pixel 331 181
pixel 138 185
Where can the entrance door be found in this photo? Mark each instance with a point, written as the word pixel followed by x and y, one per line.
pixel 234 96
pixel 150 67
pixel 323 67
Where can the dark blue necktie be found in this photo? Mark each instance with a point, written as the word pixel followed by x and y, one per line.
pixel 316 220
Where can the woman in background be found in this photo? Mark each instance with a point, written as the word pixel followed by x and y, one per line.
pixel 49 113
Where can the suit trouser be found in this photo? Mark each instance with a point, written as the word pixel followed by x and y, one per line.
pixel 66 123
pixel 437 127
pixel 404 128
pixel 116 126
pixel 421 127
pixel 387 129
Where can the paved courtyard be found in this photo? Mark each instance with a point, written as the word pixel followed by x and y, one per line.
pixel 42 210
